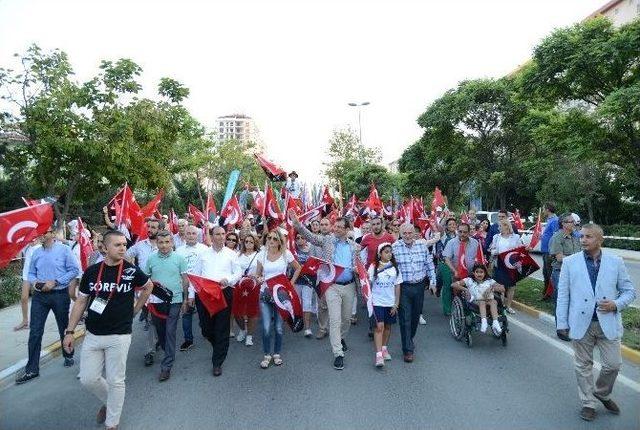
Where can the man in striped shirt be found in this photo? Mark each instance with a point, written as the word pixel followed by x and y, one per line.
pixel 417 270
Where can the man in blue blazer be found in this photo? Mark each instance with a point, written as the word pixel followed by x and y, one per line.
pixel 594 288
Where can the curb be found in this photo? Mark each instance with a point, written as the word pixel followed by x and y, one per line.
pixel 628 353
pixel 7 376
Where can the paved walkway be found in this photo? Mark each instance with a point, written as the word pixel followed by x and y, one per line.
pixel 14 343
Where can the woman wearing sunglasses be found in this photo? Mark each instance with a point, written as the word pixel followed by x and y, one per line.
pixel 273 260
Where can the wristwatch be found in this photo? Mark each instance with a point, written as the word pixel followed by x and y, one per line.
pixel 69 332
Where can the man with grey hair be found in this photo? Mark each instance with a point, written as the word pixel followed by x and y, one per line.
pixel 180 238
pixel 563 243
pixel 593 289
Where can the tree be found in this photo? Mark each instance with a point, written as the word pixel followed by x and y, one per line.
pixel 346 152
pixel 84 136
pixel 230 155
pixel 596 67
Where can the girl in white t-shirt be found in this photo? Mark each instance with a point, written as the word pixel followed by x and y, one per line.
pixel 480 288
pixel 385 279
pixel 273 260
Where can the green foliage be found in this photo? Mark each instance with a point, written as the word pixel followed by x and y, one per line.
pixel 10 285
pixel 622 230
pixel 230 155
pixel 565 127
pixel 346 151
pixel 86 137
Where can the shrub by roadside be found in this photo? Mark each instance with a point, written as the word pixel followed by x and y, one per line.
pixel 10 286
pixel 622 230
pixel 529 292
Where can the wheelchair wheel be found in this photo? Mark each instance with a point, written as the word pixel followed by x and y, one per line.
pixel 457 319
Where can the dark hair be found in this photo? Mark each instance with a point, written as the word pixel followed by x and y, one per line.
pixel 164 233
pixel 551 206
pixel 464 224
pixel 392 261
pixel 450 219
pixel 503 211
pixel 256 243
pixel 112 233
pixel 345 220
pixel 480 266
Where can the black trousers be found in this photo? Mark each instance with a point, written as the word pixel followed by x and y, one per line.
pixel 216 329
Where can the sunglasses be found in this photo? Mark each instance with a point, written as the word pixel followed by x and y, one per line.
pixel 229 239
pixel 273 238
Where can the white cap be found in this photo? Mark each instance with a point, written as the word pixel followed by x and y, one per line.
pixel 576 218
pixel 382 245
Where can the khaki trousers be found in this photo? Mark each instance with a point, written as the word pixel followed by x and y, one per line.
pixel 339 303
pixel 109 353
pixel 610 357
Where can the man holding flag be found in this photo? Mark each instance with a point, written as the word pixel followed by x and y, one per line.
pixel 342 251
pixel 459 254
pixel 218 263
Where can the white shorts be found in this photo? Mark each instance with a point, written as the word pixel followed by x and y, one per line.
pixel 308 297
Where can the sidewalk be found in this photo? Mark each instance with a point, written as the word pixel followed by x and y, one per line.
pixel 626 254
pixel 14 351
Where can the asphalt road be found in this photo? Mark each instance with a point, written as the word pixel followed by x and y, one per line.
pixel 530 384
pixel 633 268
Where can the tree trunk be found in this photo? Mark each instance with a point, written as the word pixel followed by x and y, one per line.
pixel 199 190
pixel 590 209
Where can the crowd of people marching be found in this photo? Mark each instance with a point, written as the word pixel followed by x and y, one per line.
pixel 251 271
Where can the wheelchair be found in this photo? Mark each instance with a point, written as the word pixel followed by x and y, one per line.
pixel 465 319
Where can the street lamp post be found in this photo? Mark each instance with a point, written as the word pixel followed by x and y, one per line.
pixel 359 106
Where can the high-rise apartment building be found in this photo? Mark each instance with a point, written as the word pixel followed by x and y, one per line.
pixel 237 127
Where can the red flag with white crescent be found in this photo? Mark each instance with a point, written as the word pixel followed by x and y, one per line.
pixel 462 271
pixel 438 199
pixel 373 202
pixel 173 222
pixel 274 172
pixel 326 273
pixel 272 211
pixel 86 247
pixel 518 263
pixel 310 215
pixel 198 216
pixel 246 297
pixel 19 227
pixel 231 212
pixel 537 231
pixel 210 210
pixel 286 299
pixel 365 286
pixel 209 292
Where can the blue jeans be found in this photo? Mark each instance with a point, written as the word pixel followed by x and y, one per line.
pixel 57 301
pixel 555 280
pixel 187 324
pixel 267 312
pixel 411 300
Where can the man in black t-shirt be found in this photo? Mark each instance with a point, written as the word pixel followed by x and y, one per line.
pixel 108 288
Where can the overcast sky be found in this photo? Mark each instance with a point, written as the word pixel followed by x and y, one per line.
pixel 294 65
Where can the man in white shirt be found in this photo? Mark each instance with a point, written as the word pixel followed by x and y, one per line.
pixel 219 264
pixel 293 186
pixel 180 238
pixel 191 251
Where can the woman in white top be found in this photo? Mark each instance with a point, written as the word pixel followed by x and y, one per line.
pixel 503 242
pixel 273 260
pixel 247 262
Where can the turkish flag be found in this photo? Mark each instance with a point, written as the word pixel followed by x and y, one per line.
pixel 21 226
pixel 350 207
pixel 86 247
pixel 274 172
pixel 209 292
pixel 326 273
pixel 365 286
pixel 537 231
pixel 272 212
pixel 138 217
pixel 462 271
pixel 210 211
pixel 517 220
pixel 518 263
pixel 33 202
pixel 480 255
pixel 173 222
pixel 231 212
pixel 373 202
pixel 246 297
pixel 198 216
pixel 438 199
pixel 310 215
pixel 291 203
pixel 327 200
pixel 287 301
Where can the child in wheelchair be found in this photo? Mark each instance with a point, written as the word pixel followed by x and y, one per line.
pixel 479 289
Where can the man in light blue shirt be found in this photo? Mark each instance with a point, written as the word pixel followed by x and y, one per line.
pixel 52 268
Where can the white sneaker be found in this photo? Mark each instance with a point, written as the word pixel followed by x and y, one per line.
pixel 232 334
pixel 249 340
pixel 511 311
pixel 308 333
pixel 484 325
pixel 422 320
pixel 495 325
pixel 385 354
pixel 379 360
pixel 241 335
